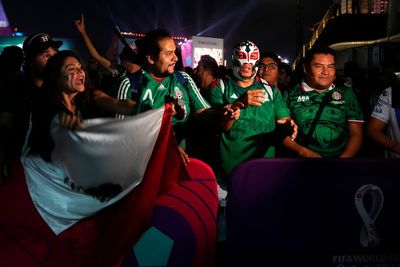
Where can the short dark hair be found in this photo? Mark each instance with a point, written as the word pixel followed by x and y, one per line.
pixel 209 63
pixel 130 55
pixel 270 55
pixel 318 50
pixel 11 58
pixel 149 44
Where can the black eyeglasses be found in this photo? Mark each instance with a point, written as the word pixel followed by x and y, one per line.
pixel 270 66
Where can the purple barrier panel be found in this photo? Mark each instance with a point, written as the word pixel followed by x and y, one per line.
pixel 314 212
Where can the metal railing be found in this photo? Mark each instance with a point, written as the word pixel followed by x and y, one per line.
pixel 335 10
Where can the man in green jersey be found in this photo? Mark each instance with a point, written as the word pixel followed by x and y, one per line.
pixel 261 107
pixel 159 80
pixel 338 130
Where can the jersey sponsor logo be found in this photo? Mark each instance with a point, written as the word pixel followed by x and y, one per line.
pixel 234 96
pixel 303 98
pixel 161 87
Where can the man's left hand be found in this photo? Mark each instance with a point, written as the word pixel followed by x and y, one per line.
pixel 288 122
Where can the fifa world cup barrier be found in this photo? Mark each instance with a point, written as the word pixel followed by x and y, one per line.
pixel 314 212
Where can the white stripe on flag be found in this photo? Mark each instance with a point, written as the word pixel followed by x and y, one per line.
pixel 103 151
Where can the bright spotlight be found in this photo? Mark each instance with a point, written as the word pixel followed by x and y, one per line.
pixel 283 59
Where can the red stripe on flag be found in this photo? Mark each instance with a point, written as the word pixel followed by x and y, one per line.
pixel 25 239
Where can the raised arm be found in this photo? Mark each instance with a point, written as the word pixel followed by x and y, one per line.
pixel 80 25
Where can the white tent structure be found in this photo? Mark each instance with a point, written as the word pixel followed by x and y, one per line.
pixel 4 24
pixel 354 44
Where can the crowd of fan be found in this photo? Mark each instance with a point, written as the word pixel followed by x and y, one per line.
pixel 258 107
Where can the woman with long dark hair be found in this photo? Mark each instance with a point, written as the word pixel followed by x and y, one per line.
pixel 68 94
pixel 66 98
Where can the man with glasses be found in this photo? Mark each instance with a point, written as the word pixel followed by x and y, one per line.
pixel 268 69
pixel 251 135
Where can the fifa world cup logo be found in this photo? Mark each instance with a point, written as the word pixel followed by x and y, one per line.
pixel 369 236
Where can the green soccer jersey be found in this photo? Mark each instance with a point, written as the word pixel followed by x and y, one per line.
pixel 252 135
pixel 331 132
pixel 123 92
pixel 152 94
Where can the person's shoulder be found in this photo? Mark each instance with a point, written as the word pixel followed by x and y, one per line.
pixel 219 86
pixel 343 88
pixel 258 79
pixel 140 77
pixel 180 74
pixel 345 91
pixel 217 83
pixel 260 82
pixel 124 80
pixel 182 77
pixel 294 90
pixel 386 93
pixel 138 73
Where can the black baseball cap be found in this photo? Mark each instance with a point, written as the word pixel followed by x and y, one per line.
pixel 38 42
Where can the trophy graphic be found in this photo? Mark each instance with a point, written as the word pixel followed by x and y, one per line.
pixel 369 236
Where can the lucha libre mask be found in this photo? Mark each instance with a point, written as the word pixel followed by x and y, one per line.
pixel 245 52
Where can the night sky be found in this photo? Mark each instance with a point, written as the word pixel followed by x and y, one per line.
pixel 271 24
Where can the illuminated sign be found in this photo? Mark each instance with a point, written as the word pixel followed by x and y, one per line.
pixel 213 47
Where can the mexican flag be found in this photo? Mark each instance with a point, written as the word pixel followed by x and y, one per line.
pixel 45 221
